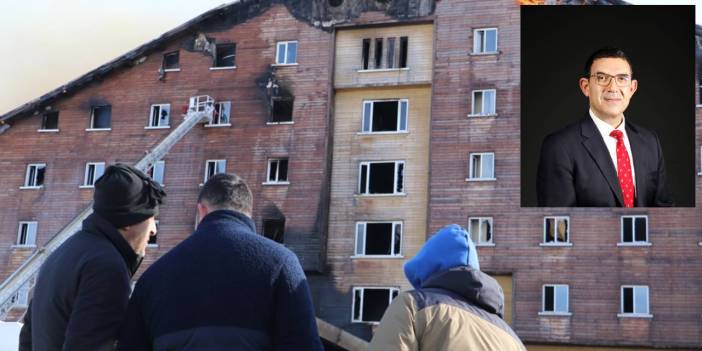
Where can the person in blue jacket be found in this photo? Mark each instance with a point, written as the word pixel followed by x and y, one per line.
pixel 224 287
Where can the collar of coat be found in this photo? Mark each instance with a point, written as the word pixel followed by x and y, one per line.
pixel 98 225
pixel 473 285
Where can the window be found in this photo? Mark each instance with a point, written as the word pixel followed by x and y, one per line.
pixel 556 230
pixel 483 103
pixel 101 117
pixel 153 239
pixel 700 173
pixel 160 115
pixel 699 102
pixel 21 297
pixel 224 55
pixel 282 109
pixel 385 116
pixel 286 54
pixel 369 304
pixel 93 171
pixel 222 114
pixel 274 229
pixel 171 61
pixel 393 56
pixel 485 41
pixel 213 167
pixel 381 178
pixel 480 230
pixel 634 230
pixel 278 171
pixel 481 166
pixel 555 299
pixel 34 177
pixel 635 301
pixel 49 121
pixel 378 238
pixel 27 234
pixel 157 171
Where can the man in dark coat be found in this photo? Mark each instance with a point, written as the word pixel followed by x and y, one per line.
pixel 83 288
pixel 223 288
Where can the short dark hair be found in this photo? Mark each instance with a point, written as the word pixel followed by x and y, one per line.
pixel 607 52
pixel 227 191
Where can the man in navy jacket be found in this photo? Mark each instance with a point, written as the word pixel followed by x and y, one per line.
pixel 223 288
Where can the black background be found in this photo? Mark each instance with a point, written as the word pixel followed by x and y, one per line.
pixel 659 41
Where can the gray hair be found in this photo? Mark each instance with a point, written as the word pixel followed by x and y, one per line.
pixel 227 191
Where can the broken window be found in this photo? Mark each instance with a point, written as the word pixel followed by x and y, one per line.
pixel 157 171
pixel 101 117
pixel 171 61
pixel 485 40
pixel 49 121
pixel 286 53
pixel 34 177
pixel 481 166
pixel 555 298
pixel 483 102
pixel 634 229
pixel 385 116
pixel 93 171
pixel 366 53
pixel 404 42
pixel 635 300
pixel 378 53
pixel 556 230
pixel 224 55
pixel 381 178
pixel 222 114
pixel 480 230
pixel 282 110
pixel 369 304
pixel 378 238
pixel 278 170
pixel 213 167
pixel 335 3
pixel 160 115
pixel 274 229
pixel 27 234
pixel 153 239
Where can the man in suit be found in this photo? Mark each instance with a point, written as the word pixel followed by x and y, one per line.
pixel 603 160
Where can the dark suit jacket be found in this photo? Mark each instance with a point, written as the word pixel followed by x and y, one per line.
pixel 576 170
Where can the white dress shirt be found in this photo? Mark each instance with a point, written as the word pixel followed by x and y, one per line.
pixel 611 142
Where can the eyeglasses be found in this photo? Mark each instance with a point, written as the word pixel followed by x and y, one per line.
pixel 603 79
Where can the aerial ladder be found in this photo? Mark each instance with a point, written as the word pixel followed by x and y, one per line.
pixel 200 109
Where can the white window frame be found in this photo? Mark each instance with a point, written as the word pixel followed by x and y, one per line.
pixel 481 48
pixel 555 231
pixel 96 166
pixel 394 187
pixel 482 107
pixel 287 47
pixel 41 127
pixel 158 223
pixel 218 161
pixel 470 167
pixel 367 129
pixel 214 59
pixel 635 314
pixel 21 296
pixel 633 231
pixel 555 311
pixel 151 113
pixel 390 289
pixel 31 237
pixel 163 61
pixel 92 120
pixel 32 183
pixel 360 252
pixel 480 220
pixel 158 168
pixel 217 123
pixel 277 172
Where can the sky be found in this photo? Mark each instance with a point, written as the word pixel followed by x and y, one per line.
pixel 51 42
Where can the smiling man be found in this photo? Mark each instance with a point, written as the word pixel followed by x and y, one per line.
pixel 603 160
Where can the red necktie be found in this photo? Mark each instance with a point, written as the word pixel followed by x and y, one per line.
pixel 626 182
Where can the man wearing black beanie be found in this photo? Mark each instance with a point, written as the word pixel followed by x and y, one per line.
pixel 82 290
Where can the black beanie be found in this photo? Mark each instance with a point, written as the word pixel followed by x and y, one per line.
pixel 125 195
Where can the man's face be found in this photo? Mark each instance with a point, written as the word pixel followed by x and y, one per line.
pixel 608 101
pixel 138 234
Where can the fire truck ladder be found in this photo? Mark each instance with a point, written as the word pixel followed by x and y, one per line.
pixel 200 109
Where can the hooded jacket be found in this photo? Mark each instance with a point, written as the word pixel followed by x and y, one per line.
pixel 82 291
pixel 457 309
